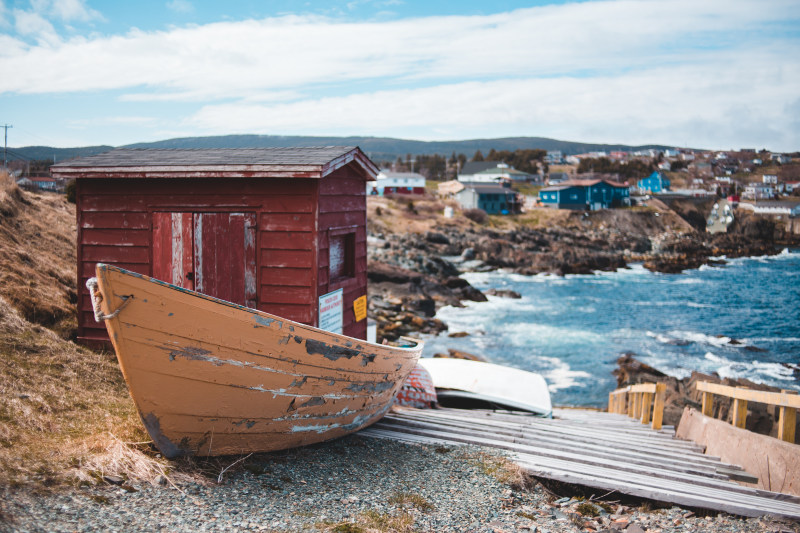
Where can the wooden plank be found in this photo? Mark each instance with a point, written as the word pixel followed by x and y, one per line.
pixel 116 254
pixel 287 222
pixel 116 220
pixel 773 398
pixel 341 203
pixel 642 485
pixel 588 436
pixel 578 459
pixel 287 240
pixel 286 258
pixel 643 387
pixel 115 237
pixel 555 445
pixel 272 294
pixel 285 276
pixel 787 421
pixel 708 404
pixel 647 405
pixel 739 415
pixel 658 405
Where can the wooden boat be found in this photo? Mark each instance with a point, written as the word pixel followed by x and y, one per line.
pixel 466 383
pixel 209 377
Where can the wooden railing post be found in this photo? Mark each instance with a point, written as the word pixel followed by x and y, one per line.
pixel 647 403
pixel 708 404
pixel 739 417
pixel 630 403
pixel 787 421
pixel 658 405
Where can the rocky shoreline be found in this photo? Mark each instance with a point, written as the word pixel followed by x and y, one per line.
pixel 413 274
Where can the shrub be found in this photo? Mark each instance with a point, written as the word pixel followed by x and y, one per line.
pixel 476 215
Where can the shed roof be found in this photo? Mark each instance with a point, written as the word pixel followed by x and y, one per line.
pixel 299 162
pixel 490 189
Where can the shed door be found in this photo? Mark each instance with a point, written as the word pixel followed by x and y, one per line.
pixel 212 253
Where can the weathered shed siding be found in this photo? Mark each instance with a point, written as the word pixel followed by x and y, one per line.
pixel 115 226
pixel 342 210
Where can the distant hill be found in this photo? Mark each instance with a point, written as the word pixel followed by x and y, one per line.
pixel 378 148
pixel 42 153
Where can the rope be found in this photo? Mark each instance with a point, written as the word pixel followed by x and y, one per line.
pixel 97 299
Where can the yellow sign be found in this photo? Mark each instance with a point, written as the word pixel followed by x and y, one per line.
pixel 360 308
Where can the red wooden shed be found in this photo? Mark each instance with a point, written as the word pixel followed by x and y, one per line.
pixel 275 229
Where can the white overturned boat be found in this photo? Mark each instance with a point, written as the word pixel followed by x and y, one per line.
pixel 476 382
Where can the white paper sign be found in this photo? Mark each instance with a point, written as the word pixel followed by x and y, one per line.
pixel 331 311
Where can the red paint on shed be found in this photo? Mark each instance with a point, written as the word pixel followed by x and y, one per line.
pixel 269 228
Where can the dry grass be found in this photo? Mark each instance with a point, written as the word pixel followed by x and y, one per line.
pixel 65 412
pixel 37 256
pixel 500 468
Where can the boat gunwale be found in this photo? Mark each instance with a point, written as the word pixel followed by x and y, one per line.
pixel 418 344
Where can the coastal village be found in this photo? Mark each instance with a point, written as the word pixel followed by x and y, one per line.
pixel 383 246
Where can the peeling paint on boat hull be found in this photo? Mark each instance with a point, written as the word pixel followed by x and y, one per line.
pixel 209 383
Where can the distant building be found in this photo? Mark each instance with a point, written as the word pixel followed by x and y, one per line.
pixel 781 158
pixel 42 184
pixel 655 183
pixel 773 208
pixel 554 157
pixel 388 182
pixel 493 172
pixel 770 178
pixel 694 193
pixel 586 194
pixel 493 199
pixel 557 177
pixel 791 186
pixel 759 191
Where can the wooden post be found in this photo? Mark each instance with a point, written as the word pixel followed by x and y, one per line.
pixel 708 404
pixel 647 402
pixel 658 405
pixel 739 412
pixel 637 404
pixel 630 403
pixel 610 402
pixel 787 421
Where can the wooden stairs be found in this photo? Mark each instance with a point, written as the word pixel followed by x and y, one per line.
pixel 606 451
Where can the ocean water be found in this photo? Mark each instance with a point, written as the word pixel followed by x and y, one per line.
pixel 739 320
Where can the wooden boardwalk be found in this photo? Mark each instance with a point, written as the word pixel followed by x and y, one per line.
pixel 610 452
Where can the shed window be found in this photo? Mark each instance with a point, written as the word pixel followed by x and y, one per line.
pixel 342 250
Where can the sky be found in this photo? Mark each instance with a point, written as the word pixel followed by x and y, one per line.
pixel 714 74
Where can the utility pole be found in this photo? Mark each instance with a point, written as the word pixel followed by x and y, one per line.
pixel 5 146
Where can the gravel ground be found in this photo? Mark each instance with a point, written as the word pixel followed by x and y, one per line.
pixel 349 485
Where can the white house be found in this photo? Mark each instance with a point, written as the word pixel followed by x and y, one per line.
pixel 493 172
pixel 770 178
pixel 388 182
pixel 759 191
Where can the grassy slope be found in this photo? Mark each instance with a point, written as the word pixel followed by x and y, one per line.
pixel 65 413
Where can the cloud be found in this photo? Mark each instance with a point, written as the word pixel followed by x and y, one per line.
pixel 32 24
pixel 673 105
pixel 236 59
pixel 613 68
pixel 180 6
pixel 72 10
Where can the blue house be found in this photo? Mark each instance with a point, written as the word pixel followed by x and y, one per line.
pixel 586 194
pixel 655 183
pixel 493 199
